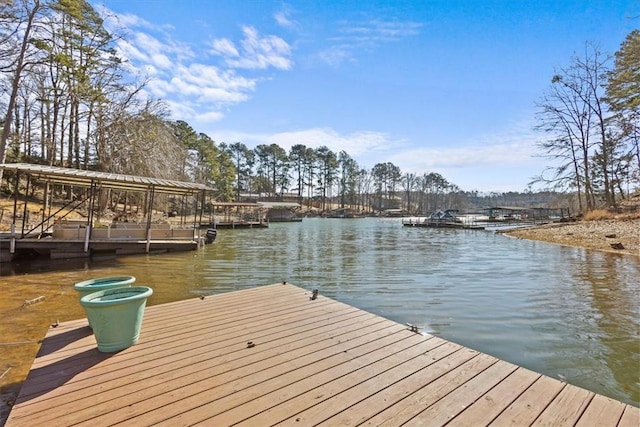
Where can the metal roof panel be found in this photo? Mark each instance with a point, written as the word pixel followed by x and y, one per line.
pixel 85 178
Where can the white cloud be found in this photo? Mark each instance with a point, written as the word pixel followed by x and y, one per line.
pixel 179 86
pixel 210 76
pixel 336 55
pixel 148 43
pixel 375 31
pixel 131 52
pixel 221 95
pixel 490 168
pixel 255 52
pixel 356 144
pixel 159 88
pixel 506 160
pixel 353 37
pixel 210 116
pixel 208 85
pixel 283 19
pixel 181 110
pixel 424 159
pixel 122 20
pixel 512 147
pixel 160 61
pixel 186 80
pixel 150 70
pixel 225 47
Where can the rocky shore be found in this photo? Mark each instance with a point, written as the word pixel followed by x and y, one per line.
pixel 612 235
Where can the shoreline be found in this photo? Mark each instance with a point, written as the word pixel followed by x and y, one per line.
pixel 620 236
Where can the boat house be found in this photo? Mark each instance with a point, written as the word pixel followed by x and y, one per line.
pixel 53 234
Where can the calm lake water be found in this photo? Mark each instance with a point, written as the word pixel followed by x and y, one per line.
pixel 569 313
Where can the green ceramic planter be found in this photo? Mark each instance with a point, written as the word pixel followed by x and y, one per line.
pixel 116 316
pixel 101 283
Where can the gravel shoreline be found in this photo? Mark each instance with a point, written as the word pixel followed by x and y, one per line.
pixel 620 236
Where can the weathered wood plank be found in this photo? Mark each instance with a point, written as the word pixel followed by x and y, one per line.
pixel 602 412
pixel 566 408
pixel 331 398
pixel 371 405
pixel 455 402
pixel 259 395
pixel 530 404
pixel 286 362
pixel 222 380
pixel 496 400
pixel 412 405
pixel 630 417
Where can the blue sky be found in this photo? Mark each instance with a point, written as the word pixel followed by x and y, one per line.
pixel 446 86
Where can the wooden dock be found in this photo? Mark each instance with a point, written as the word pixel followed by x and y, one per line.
pixel 442 224
pixel 232 225
pixel 66 249
pixel 272 355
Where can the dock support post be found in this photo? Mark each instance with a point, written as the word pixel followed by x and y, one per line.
pixel 87 233
pixel 148 243
pixel 149 208
pixel 12 242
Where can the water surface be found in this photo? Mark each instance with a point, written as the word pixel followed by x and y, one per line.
pixel 569 313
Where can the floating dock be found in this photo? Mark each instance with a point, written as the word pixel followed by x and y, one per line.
pixel 66 249
pixel 274 355
pixel 441 224
pixel 232 225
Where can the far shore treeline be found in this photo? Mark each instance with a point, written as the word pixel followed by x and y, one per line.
pixel 67 99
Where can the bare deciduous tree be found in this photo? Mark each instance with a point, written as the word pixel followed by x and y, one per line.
pixel 24 18
pixel 572 112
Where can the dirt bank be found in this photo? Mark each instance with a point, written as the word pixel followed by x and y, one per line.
pixel 611 235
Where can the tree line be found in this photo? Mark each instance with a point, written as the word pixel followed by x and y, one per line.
pixel 590 114
pixel 67 99
pixel 320 173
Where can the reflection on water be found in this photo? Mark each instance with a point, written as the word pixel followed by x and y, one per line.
pixel 569 313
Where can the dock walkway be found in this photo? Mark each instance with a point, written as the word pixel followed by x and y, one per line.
pixel 272 355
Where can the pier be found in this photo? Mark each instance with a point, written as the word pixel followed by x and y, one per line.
pixel 283 355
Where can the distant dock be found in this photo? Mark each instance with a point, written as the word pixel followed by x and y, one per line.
pixel 232 225
pixel 278 355
pixel 440 224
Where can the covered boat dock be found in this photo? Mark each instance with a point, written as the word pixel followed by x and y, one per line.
pixel 55 236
